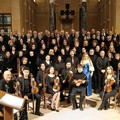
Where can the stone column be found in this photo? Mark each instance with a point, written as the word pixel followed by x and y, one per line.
pixel 83 15
pixel 52 16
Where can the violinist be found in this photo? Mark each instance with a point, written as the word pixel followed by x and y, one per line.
pixel 51 81
pixel 66 75
pixel 26 90
pixel 79 83
pixel 40 77
pixel 110 88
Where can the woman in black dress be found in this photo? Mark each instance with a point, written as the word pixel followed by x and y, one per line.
pixel 51 81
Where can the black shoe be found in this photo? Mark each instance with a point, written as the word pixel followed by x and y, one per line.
pixel 52 109
pixel 81 108
pixel 100 108
pixel 57 110
pixel 73 108
pixel 39 113
pixel 106 108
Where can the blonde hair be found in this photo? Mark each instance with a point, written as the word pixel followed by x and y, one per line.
pixel 112 72
pixel 85 55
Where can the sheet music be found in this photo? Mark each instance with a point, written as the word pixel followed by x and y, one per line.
pixel 12 100
pixel 15 111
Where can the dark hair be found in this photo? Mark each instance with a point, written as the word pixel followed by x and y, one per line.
pixel 25 68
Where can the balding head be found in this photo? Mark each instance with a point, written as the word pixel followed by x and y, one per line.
pixel 7 75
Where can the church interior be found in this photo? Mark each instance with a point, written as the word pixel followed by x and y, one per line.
pixel 95 20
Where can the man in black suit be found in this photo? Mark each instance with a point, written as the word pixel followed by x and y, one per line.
pixel 73 59
pixel 101 64
pixel 25 83
pixel 66 76
pixel 40 78
pixel 94 77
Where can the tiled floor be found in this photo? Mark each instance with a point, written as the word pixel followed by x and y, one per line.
pixel 90 112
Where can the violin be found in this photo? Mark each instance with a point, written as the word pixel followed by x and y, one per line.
pixel 17 88
pixel 34 88
pixel 80 80
pixel 108 85
pixel 56 85
pixel 69 76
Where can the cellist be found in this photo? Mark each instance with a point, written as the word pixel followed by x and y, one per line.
pixel 110 88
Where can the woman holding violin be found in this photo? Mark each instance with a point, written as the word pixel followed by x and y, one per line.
pixel 29 90
pixel 110 88
pixel 53 87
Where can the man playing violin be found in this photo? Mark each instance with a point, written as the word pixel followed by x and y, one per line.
pixel 66 76
pixel 28 92
pixel 110 88
pixel 79 83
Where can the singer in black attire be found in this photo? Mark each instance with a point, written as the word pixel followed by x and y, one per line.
pixel 26 87
pixel 78 88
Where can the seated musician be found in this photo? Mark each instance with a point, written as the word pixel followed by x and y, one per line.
pixel 28 92
pixel 79 84
pixel 66 75
pixel 40 77
pixel 6 84
pixel 110 88
pixel 51 81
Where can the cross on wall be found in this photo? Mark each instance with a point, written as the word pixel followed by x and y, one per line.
pixel 67 13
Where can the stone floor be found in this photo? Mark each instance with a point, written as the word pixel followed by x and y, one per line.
pixel 90 112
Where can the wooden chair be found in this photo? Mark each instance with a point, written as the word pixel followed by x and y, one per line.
pixel 29 106
pixel 1 116
pixel 46 98
pixel 113 101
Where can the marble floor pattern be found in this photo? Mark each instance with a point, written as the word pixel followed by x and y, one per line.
pixel 90 112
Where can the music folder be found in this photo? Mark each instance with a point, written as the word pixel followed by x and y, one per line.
pixel 10 102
